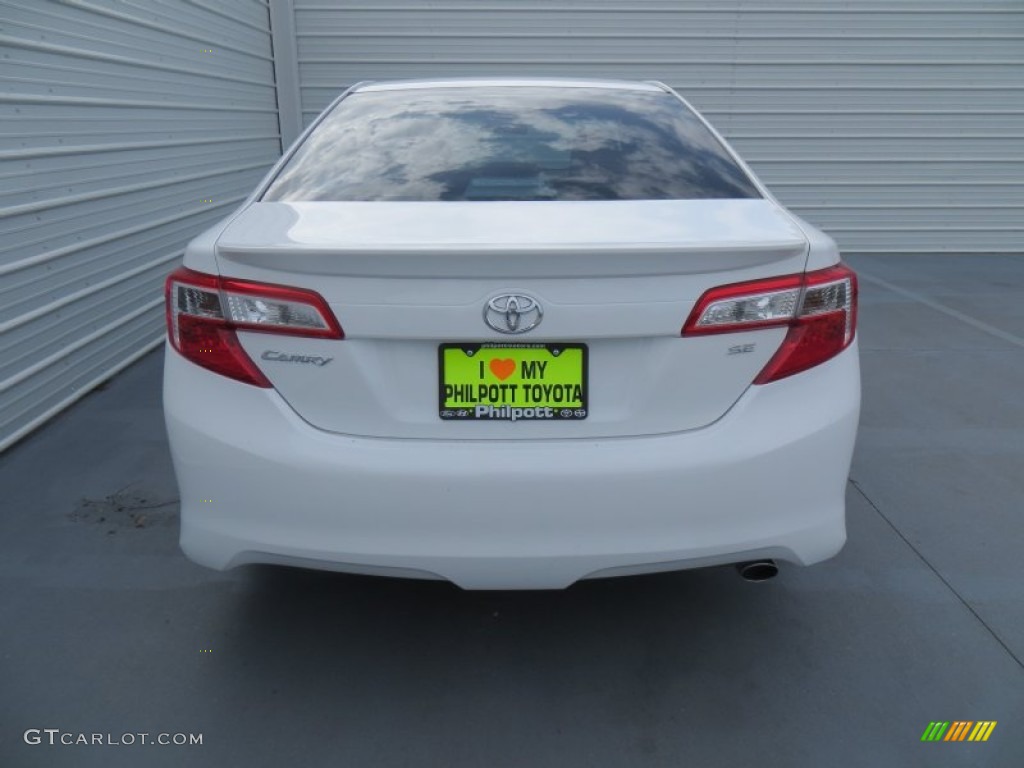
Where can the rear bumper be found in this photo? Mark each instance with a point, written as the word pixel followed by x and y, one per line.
pixel 260 485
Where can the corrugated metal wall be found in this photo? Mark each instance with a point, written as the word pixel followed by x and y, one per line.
pixel 127 126
pixel 896 126
pixel 125 129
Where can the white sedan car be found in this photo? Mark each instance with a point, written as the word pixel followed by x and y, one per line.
pixel 512 334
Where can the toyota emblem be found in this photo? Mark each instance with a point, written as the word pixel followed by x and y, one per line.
pixel 513 313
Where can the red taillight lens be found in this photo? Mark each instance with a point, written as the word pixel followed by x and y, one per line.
pixel 819 308
pixel 215 346
pixel 745 306
pixel 204 311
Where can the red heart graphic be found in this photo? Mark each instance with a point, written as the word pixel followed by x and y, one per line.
pixel 503 368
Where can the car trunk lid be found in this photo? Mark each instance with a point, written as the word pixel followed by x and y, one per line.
pixel 617 277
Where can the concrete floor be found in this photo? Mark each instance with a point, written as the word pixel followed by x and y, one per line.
pixel 103 623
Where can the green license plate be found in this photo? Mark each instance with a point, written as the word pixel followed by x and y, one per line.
pixel 513 382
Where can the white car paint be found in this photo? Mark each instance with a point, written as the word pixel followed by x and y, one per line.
pixel 345 464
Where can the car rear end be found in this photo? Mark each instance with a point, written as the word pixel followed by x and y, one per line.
pixel 553 354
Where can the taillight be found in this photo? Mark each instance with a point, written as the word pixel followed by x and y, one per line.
pixel 204 311
pixel 819 308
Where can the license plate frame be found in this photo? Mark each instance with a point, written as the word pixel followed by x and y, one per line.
pixel 520 403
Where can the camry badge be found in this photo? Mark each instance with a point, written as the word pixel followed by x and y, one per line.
pixel 281 357
pixel 513 313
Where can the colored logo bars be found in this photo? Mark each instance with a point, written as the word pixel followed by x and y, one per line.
pixel 959 730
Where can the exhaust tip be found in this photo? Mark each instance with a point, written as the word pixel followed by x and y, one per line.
pixel 758 570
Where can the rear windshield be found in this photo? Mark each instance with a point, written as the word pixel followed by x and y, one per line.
pixel 510 143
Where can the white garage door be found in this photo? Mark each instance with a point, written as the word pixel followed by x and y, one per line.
pixel 126 127
pixel 897 126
